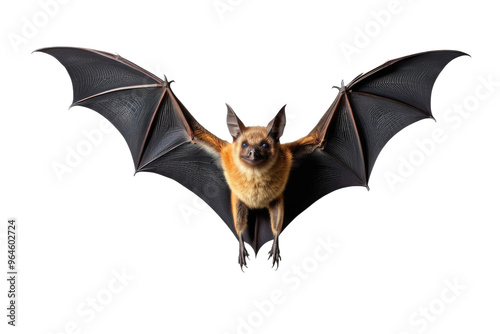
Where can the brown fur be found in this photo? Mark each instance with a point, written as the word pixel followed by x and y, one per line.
pixel 256 186
pixel 277 212
pixel 307 143
pixel 205 137
pixel 240 215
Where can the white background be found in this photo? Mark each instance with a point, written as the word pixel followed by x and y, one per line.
pixel 400 246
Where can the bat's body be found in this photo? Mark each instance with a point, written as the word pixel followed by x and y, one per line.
pixel 256 167
pixel 256 184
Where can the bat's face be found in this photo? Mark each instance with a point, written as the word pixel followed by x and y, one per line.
pixel 254 147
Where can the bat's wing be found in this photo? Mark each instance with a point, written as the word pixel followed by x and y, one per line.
pixel 161 134
pixel 342 149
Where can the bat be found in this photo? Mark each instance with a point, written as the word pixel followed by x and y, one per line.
pixel 256 184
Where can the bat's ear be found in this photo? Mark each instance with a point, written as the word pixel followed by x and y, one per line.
pixel 235 126
pixel 277 125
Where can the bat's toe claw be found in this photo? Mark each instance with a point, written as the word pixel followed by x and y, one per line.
pixel 242 258
pixel 275 254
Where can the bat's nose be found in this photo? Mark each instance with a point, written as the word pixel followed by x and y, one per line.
pixel 253 154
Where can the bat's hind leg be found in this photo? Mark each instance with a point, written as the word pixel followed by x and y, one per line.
pixel 275 253
pixel 276 212
pixel 240 216
pixel 243 255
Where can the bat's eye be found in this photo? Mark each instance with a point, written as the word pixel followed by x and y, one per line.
pixel 264 144
pixel 244 144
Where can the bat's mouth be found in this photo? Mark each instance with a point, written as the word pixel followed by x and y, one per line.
pixel 253 160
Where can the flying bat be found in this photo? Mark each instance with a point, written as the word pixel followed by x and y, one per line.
pixel 256 184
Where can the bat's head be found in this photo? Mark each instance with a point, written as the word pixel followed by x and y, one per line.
pixel 255 146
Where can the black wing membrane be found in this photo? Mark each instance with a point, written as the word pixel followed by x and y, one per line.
pixel 159 130
pixel 157 127
pixel 365 115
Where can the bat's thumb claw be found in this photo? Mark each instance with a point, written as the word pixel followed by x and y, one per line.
pixel 167 83
pixel 341 88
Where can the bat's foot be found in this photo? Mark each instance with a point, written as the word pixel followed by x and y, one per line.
pixel 242 258
pixel 275 253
